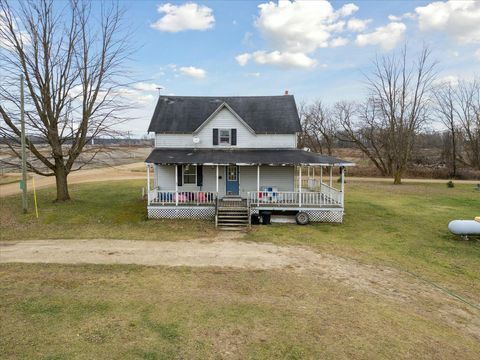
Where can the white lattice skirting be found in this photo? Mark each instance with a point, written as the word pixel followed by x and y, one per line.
pixel 326 216
pixel 183 212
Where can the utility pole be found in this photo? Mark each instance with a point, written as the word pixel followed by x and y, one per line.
pixel 24 150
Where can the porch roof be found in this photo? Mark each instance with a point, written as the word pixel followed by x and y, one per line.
pixel 166 156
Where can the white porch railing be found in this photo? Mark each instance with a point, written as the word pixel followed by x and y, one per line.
pixel 328 197
pixel 161 197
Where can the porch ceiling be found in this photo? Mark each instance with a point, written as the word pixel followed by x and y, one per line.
pixel 167 156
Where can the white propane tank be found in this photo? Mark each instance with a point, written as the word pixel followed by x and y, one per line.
pixel 464 227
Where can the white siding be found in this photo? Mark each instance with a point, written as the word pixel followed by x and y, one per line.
pixel 225 119
pixel 165 179
pixel 282 177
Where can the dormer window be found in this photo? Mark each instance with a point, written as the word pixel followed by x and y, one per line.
pixel 224 136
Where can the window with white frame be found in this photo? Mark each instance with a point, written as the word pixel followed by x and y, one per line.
pixel 224 136
pixel 189 174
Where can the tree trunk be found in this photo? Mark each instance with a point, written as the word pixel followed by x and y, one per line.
pixel 62 184
pixel 454 155
pixel 397 177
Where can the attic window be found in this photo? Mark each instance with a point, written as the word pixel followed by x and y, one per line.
pixel 224 136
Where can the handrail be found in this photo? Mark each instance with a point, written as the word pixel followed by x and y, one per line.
pixel 197 198
pixel 296 199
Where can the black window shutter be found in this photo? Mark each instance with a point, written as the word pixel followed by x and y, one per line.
pixel 234 137
pixel 215 136
pixel 199 175
pixel 179 175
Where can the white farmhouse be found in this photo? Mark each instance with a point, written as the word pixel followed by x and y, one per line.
pixel 233 158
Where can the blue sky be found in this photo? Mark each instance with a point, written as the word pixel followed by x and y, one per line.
pixel 315 49
pixel 195 51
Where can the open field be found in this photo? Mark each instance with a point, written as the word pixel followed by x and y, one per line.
pixel 350 295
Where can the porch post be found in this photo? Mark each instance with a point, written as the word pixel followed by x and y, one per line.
pixel 148 183
pixel 342 189
pixel 321 174
pixel 331 179
pixel 258 184
pixel 176 185
pixel 300 186
pixel 216 178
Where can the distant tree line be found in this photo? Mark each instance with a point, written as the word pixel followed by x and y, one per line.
pixel 404 105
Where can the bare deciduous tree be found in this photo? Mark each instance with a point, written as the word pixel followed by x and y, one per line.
pixel 72 62
pixel 445 96
pixel 458 108
pixel 468 113
pixel 397 108
pixel 361 126
pixel 319 129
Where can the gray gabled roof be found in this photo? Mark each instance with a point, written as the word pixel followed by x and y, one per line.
pixel 264 114
pixel 167 156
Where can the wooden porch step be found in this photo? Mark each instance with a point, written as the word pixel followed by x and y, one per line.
pixel 230 224
pixel 232 214
pixel 233 221
pixel 222 216
pixel 227 228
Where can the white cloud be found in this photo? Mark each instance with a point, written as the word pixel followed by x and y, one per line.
pixel 358 25
pixel 150 87
pixel 22 35
pixel 459 19
pixel 133 95
pixel 385 36
pixel 397 18
pixel 448 79
pixel 301 26
pixel 339 41
pixel 253 74
pixel 243 59
pixel 284 59
pixel 189 16
pixel 193 72
pixel 348 9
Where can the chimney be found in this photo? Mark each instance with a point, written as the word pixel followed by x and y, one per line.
pixel 286 92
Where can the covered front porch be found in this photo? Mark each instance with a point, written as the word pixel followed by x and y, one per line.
pixel 310 188
pixel 197 183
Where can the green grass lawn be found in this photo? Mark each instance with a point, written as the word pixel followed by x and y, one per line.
pixel 132 312
pixel 95 311
pixel 402 226
pixel 111 210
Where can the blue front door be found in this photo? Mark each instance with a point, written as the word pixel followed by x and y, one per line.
pixel 232 177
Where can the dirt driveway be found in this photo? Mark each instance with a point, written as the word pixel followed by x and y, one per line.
pixel 120 172
pixel 230 251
